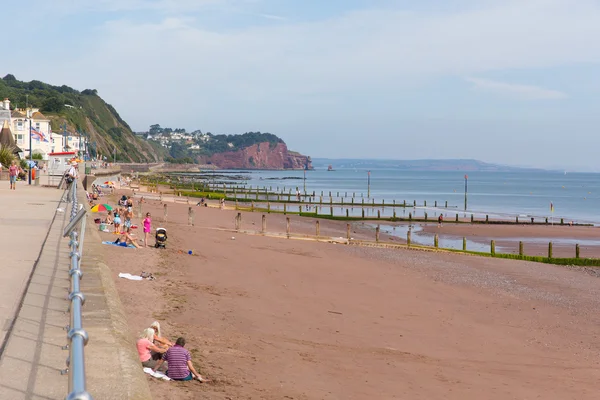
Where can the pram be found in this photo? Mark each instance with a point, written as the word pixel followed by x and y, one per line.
pixel 160 238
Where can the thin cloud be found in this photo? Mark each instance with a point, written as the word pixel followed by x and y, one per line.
pixel 528 92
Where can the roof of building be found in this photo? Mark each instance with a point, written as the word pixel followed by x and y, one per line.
pixel 38 115
pixel 18 114
pixel 7 138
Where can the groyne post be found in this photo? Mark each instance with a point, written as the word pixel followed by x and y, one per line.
pixel 269 207
pixel 165 212
pixel 287 226
pixel 318 228
pixel 252 205
pixel 378 214
pixel 408 237
pixel 493 248
pixel 394 214
pixel 410 216
pixel 464 243
pixel 521 248
pixel 456 217
pixel 487 218
pixel 550 250
pixel 435 204
pixel 414 203
pixel 577 250
pixel 348 231
pixel 424 203
pixel 377 233
pixel 299 210
pixel 363 213
pixel 264 224
pixel 562 221
pixel 446 203
pixel 425 216
pixel 284 208
pixel 190 216
pixel 436 241
pixel 472 218
pixel 517 219
pixel 238 222
pixel 347 213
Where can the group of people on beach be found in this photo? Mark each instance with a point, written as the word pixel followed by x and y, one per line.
pixel 160 354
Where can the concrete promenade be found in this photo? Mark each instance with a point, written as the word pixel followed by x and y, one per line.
pixel 34 306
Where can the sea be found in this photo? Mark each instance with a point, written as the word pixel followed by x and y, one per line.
pixel 500 195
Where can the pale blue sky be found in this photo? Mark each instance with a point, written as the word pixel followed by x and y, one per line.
pixel 507 81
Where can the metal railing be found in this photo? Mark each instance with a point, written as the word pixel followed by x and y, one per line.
pixel 77 337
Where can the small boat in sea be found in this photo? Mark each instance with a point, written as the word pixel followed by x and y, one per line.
pixel 330 168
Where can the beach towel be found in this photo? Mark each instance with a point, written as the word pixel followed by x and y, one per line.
pixel 156 374
pixel 130 277
pixel 130 246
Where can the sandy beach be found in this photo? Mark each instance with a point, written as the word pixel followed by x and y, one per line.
pixel 271 318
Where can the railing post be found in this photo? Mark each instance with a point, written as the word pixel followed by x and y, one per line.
pixel 77 336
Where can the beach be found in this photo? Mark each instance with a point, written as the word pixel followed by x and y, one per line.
pixel 276 318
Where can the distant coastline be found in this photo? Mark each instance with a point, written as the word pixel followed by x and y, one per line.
pixel 465 165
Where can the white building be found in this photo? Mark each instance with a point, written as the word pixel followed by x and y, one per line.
pixel 41 133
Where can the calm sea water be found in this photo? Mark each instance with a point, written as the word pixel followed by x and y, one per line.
pixel 499 194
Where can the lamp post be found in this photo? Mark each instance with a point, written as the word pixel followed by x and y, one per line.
pixel 30 145
pixel 304 180
pixel 466 180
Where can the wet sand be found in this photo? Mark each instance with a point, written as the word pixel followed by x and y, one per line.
pixel 269 318
pixel 534 237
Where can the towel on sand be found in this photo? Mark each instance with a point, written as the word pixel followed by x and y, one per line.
pixel 156 374
pixel 130 277
pixel 118 245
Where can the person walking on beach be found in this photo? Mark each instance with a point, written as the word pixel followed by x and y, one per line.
pixel 147 228
pixel 440 220
pixel 128 215
pixel 13 172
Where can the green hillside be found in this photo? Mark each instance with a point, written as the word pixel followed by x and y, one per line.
pixel 83 112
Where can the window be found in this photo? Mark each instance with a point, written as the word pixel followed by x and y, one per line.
pixel 37 126
pixel 19 138
pixel 19 125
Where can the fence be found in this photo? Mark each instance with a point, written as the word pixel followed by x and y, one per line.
pixel 77 336
pixel 549 259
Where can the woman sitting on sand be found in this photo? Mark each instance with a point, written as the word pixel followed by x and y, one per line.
pixel 127 240
pixel 145 347
pixel 158 339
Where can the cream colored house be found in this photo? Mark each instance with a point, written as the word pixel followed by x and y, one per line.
pixel 41 133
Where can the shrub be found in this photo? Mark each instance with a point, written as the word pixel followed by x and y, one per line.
pixel 6 155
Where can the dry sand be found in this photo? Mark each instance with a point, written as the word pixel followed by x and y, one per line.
pixel 269 318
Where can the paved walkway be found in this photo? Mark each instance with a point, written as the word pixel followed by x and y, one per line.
pixel 32 357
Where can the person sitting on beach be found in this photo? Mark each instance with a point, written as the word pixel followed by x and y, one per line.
pixel 201 202
pixel 145 347
pixel 180 363
pixel 158 339
pixel 126 240
pixel 109 218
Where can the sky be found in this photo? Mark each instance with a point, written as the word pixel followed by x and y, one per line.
pixel 503 81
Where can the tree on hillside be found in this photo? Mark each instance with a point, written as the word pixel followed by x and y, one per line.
pixel 53 104
pixel 155 129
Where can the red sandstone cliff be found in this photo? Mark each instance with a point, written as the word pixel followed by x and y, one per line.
pixel 260 156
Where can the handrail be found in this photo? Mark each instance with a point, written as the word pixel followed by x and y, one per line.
pixel 77 337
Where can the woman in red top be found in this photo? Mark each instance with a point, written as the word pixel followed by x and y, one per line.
pixel 13 171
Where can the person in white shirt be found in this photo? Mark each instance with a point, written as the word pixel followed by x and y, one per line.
pixel 72 172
